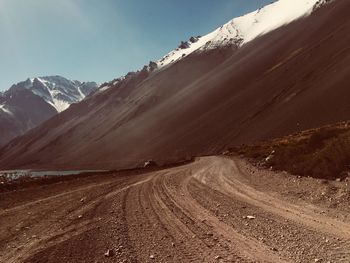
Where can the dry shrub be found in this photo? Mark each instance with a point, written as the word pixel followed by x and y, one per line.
pixel 320 153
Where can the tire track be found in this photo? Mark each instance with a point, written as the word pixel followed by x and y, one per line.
pixel 193 213
pixel 328 237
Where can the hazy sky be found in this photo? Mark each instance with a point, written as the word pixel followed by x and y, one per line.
pixel 100 40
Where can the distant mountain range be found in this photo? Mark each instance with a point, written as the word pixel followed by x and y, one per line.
pixel 278 70
pixel 29 103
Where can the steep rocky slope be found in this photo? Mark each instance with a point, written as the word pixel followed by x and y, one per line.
pixel 292 78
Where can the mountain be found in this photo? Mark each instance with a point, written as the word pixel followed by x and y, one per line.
pixel 283 69
pixel 244 29
pixel 57 91
pixel 29 103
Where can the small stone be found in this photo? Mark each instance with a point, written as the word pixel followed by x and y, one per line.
pixel 218 257
pixel 109 253
pixel 318 260
pixel 250 217
pixel 152 257
pixel 80 216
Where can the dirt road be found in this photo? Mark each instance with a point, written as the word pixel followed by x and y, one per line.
pixel 215 209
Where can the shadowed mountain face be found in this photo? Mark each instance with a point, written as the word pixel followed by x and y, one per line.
pixel 291 79
pixel 21 110
pixel 29 103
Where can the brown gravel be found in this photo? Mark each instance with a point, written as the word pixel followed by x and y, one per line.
pixel 215 209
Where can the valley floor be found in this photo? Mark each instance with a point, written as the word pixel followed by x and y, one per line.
pixel 215 209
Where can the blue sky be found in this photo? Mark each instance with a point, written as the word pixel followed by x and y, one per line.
pixel 100 40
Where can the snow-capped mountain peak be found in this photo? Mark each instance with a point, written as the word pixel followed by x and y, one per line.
pixel 244 29
pixel 236 33
pixel 29 103
pixel 59 92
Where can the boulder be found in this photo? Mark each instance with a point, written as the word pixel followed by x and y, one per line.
pixel 184 45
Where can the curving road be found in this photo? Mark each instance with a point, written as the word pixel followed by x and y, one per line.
pixel 211 210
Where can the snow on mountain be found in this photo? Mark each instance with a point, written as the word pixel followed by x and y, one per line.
pixel 104 88
pixel 29 103
pixel 244 29
pixel 59 92
pixel 4 109
pixel 236 32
